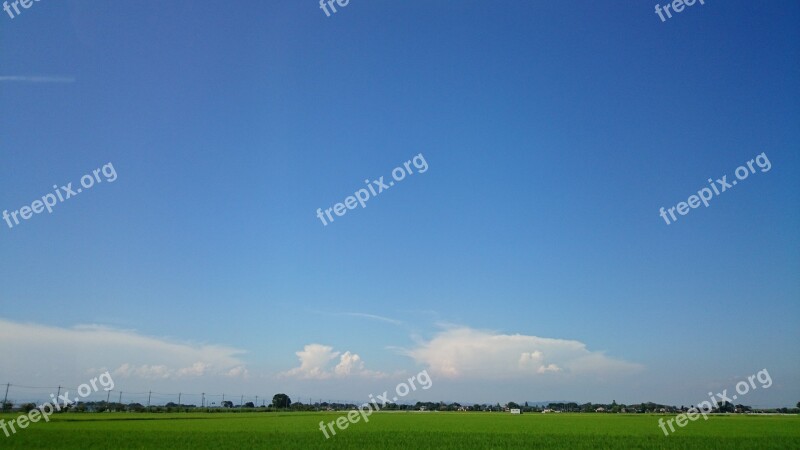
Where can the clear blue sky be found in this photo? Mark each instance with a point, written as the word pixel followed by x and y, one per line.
pixel 554 132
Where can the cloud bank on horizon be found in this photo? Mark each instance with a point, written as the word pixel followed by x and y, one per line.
pixel 467 353
pixel 453 353
pixel 92 348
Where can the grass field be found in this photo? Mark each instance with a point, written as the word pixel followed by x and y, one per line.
pixel 405 430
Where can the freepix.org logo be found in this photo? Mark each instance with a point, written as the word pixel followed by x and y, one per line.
pixel 366 410
pixel 59 195
pixel 45 410
pixel 721 185
pixel 361 196
pixel 677 6
pixel 15 5
pixel 325 4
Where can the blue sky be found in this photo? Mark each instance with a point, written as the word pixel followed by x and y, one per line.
pixel 553 131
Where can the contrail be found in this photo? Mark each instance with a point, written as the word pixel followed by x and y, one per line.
pixel 37 79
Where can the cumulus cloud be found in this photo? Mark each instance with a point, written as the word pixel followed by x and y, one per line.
pixel 317 362
pixel 466 353
pixel 127 354
pixel 238 372
pixel 348 364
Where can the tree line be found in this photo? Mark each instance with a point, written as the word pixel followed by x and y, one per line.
pixel 282 402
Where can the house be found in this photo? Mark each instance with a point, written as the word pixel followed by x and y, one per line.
pixel 516 411
pixel 600 409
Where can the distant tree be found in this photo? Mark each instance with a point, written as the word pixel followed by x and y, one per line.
pixel 281 401
pixel 8 405
pixel 512 405
pixel 137 407
pixel 227 404
pixel 249 405
pixel 726 407
pixel 798 404
pixel 28 407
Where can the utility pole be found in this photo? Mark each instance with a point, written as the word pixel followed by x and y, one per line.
pixel 241 402
pixel 203 400
pixel 256 403
pixel 5 399
pixel 179 398
pixel 107 397
pixel 148 399
pixel 120 397
pixel 59 393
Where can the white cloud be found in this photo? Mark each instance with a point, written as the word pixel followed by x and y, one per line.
pixel 349 363
pixel 197 369
pixel 238 372
pixel 316 361
pixel 548 368
pixel 466 353
pixel 313 360
pixel 127 353
pixel 144 371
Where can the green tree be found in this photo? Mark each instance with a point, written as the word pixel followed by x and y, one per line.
pixel 28 407
pixel 281 401
pixel 136 407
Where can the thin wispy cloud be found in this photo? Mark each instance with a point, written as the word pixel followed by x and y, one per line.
pixel 360 315
pixel 373 317
pixel 36 79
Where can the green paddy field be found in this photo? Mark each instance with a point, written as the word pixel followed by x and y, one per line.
pixel 400 430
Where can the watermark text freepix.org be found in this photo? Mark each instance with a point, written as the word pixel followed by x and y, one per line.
pixel 45 410
pixel 59 195
pixel 677 6
pixel 706 406
pixel 361 196
pixel 721 185
pixel 355 415
pixel 325 4
pixel 14 4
